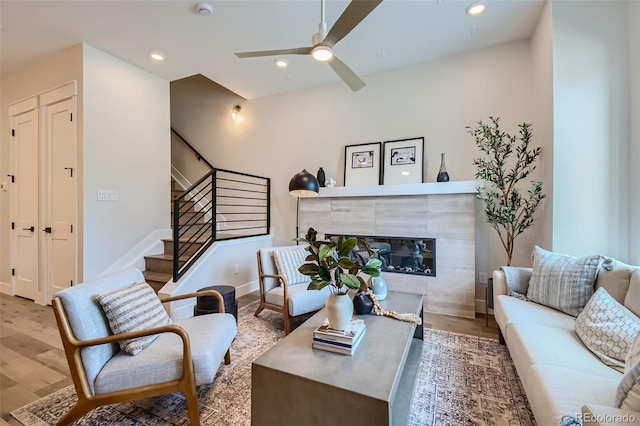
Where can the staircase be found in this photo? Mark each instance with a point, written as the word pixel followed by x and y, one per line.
pixel 159 267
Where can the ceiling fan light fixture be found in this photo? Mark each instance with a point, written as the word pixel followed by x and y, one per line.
pixel 322 53
pixel 475 8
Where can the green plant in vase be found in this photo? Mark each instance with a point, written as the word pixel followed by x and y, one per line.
pixel 330 263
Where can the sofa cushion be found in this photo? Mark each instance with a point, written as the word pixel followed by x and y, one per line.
pixel 607 328
pixel 301 300
pixel 615 279
pixel 562 282
pixel 288 261
pixel 555 391
pixel 533 343
pixel 133 308
pixel 632 299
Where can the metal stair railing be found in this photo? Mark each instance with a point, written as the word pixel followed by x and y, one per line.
pixel 224 205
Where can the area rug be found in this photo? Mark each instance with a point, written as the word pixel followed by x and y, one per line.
pixel 461 380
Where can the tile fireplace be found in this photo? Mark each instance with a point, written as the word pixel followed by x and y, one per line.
pixel 400 218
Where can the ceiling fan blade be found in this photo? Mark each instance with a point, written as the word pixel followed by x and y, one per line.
pixel 296 51
pixel 355 12
pixel 346 74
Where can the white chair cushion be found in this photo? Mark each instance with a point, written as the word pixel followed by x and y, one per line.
pixel 301 300
pixel 87 318
pixel 210 336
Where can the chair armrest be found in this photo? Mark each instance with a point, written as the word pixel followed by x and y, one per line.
pixel 279 277
pixel 198 294
pixel 601 415
pixel 114 338
pixel 499 285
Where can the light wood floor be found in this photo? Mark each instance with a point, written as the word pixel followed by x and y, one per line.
pixel 33 364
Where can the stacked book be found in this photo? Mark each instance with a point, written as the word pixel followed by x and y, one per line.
pixel 339 341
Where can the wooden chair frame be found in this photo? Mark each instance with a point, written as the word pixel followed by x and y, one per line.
pixel 284 309
pixel 87 401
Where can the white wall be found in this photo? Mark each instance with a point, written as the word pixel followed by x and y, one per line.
pixel 542 74
pixel 634 157
pixel 126 148
pixel 283 134
pixel 591 128
pixel 52 71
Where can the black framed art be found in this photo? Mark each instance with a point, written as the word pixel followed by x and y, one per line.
pixel 362 164
pixel 403 161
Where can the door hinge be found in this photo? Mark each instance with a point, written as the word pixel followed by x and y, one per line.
pixel 13 225
pixel 71 228
pixel 13 272
pixel 71 283
pixel 13 132
pixel 71 116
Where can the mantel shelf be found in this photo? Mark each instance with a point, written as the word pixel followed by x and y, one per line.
pixel 457 187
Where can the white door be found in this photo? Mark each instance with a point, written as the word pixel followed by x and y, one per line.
pixel 60 227
pixel 24 203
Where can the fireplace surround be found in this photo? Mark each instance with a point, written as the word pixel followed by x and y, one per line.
pixel 443 211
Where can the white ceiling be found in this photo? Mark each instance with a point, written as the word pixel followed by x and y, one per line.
pixel 396 34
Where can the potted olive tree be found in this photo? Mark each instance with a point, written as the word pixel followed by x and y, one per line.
pixel 330 263
pixel 508 207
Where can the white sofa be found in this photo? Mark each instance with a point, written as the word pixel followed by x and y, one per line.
pixel 560 375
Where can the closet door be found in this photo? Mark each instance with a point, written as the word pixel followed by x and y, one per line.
pixel 25 237
pixel 60 257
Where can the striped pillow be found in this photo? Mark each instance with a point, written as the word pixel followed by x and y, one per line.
pixel 133 308
pixel 565 283
pixel 288 261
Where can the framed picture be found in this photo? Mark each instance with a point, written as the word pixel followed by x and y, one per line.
pixel 403 161
pixel 362 164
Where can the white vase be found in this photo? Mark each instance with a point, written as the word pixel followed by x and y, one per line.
pixel 339 309
pixel 379 286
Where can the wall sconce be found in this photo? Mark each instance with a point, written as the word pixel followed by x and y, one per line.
pixel 235 112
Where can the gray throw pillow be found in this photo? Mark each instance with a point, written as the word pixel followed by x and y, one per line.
pixel 133 308
pixel 562 282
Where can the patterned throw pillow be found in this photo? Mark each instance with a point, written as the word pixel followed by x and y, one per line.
pixel 288 261
pixel 562 282
pixel 607 328
pixel 133 308
pixel 628 393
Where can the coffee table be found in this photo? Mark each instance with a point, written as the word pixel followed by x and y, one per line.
pixel 294 384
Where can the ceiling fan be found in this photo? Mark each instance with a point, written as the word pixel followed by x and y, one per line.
pixel 323 41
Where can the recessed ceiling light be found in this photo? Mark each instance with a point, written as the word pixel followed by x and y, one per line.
pixel 475 8
pixel 156 56
pixel 281 63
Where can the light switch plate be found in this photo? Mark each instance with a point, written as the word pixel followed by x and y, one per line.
pixel 108 195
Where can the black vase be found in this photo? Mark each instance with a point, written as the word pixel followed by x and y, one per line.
pixel 321 177
pixel 443 176
pixel 362 304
